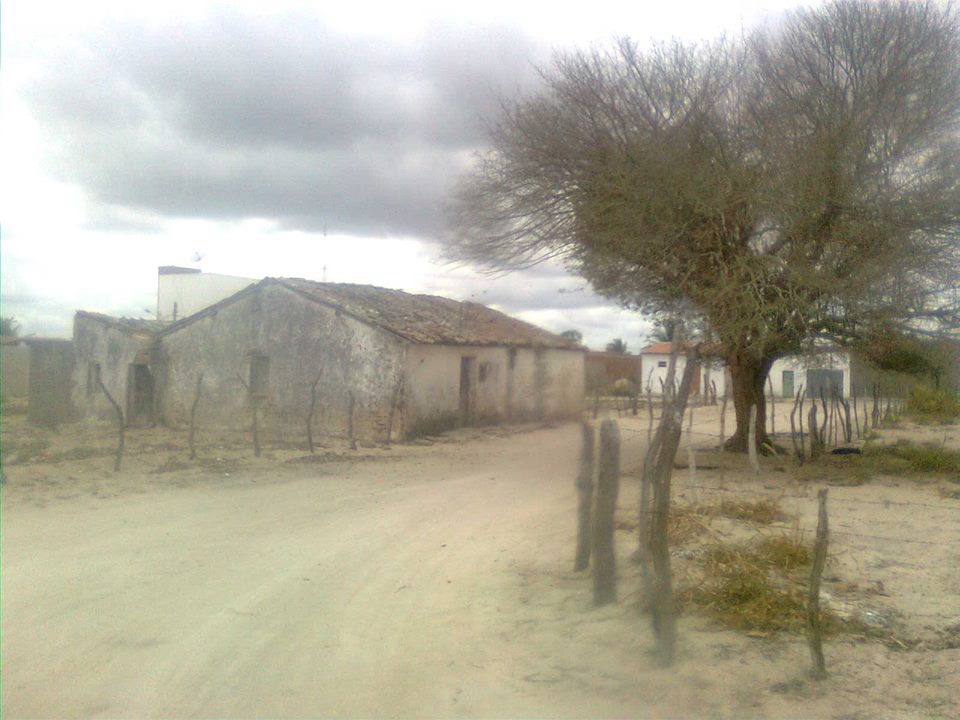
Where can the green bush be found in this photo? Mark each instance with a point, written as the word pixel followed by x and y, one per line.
pixel 925 401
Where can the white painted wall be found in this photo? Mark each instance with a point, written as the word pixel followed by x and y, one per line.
pixel 799 364
pixel 189 293
pixel 656 365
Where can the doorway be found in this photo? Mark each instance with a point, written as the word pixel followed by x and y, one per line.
pixel 139 395
pixel 467 384
pixel 787 384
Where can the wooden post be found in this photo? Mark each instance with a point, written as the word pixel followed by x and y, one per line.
pixel 752 440
pixel 824 438
pixel 193 416
pixel 814 628
pixel 118 460
pixel 608 485
pixel 797 451
pixel 803 398
pixel 352 401
pixel 816 444
pixel 692 457
pixel 847 424
pixel 313 406
pixel 856 415
pixel 584 485
pixel 773 408
pixel 671 426
pixel 875 415
pixel 650 413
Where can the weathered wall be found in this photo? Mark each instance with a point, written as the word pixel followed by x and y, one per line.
pixel 96 342
pixel 604 369
pixel 505 385
pixel 301 339
pixel 15 366
pixel 51 366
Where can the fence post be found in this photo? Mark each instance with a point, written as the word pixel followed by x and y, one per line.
pixel 584 486
pixel 752 440
pixel 193 417
pixel 671 426
pixel 608 485
pixel 814 627
pixel 121 425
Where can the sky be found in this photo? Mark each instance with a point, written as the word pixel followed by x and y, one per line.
pixel 285 139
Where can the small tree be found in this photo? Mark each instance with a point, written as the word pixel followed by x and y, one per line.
pixel 573 335
pixel 798 183
pixel 617 345
pixel 9 327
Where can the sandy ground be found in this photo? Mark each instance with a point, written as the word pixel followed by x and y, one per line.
pixel 429 580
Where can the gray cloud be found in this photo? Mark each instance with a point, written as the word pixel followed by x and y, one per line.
pixel 279 118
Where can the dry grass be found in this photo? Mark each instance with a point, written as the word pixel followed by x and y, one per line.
pixel 759 512
pixel 754 586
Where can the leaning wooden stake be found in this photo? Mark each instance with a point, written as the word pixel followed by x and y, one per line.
pixel 797 451
pixel 120 426
pixel 662 607
pixel 608 485
pixel 773 408
pixel 313 407
pixel 752 440
pixel 584 486
pixel 692 458
pixel 816 444
pixel 193 416
pixel 814 628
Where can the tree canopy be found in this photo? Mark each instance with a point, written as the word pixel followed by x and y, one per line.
pixel 800 182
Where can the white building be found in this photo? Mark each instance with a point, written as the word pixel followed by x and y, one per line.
pixel 184 291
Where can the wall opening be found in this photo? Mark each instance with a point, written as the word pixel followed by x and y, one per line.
pixel 139 395
pixel 259 376
pixel 467 370
pixel 93 378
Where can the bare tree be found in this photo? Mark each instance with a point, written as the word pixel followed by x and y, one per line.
pixel 801 182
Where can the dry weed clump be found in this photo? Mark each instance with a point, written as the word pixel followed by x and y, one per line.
pixel 751 586
pixel 759 512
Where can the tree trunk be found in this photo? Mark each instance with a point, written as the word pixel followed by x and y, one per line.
pixel 747 379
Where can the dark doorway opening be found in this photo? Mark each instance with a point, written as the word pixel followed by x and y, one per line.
pixel 467 384
pixel 139 395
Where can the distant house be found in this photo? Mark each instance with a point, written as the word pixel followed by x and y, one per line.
pixel 405 364
pixel 826 370
pixel 656 365
pixel 605 368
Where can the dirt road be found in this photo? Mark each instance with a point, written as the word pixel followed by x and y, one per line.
pixel 431 582
pixel 378 590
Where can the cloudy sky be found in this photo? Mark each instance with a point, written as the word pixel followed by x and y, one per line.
pixel 278 138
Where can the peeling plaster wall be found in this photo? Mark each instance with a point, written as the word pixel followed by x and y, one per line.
pixel 115 351
pixel 537 384
pixel 301 338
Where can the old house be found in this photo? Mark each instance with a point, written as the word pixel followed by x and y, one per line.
pixel 384 361
pixel 709 373
pixel 606 368
pixel 116 352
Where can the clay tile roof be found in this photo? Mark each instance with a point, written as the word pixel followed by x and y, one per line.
pixel 133 326
pixel 427 318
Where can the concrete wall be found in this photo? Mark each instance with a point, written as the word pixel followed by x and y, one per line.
pixel 15 366
pixel 300 338
pixel 51 366
pixel 504 385
pixel 188 293
pixel 114 350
